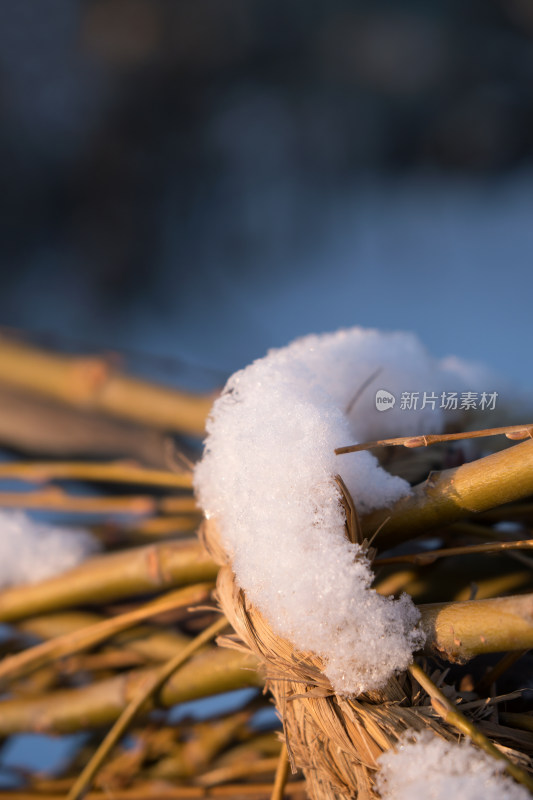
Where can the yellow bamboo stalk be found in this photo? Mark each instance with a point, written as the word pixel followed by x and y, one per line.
pixel 265 744
pixel 110 577
pixel 211 671
pixel 184 504
pixel 21 664
pixel 48 626
pixel 93 384
pixel 395 582
pixel 32 424
pixel 455 579
pixel 423 590
pixel 152 528
pixel 202 743
pixel 453 494
pixel 459 631
pixel 173 505
pixel 108 660
pixel 495 586
pixel 107 472
pixel 218 775
pixel 157 791
pixel 55 499
pixel 154 683
pixel 150 643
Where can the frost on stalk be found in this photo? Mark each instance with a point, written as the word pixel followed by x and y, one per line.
pixel 430 768
pixel 267 476
pixel 31 551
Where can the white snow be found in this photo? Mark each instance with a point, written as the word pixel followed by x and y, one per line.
pixel 31 551
pixel 267 476
pixel 426 767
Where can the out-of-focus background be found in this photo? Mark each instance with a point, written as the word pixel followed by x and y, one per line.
pixel 195 181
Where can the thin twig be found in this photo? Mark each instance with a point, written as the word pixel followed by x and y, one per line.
pixel 16 666
pixel 361 389
pixel 282 773
pixel 496 672
pixel 451 714
pixel 152 686
pixel 430 556
pixel 511 431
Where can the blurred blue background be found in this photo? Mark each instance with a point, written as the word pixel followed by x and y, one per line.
pixel 204 179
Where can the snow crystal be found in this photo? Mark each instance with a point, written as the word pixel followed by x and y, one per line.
pixel 267 476
pixel 31 551
pixel 426 767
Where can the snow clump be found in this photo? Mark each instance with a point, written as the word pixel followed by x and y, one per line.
pixel 32 551
pixel 430 768
pixel 268 478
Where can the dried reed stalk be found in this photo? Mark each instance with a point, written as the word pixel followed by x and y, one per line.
pixel 454 494
pixel 52 498
pixel 234 791
pixel 94 384
pixel 35 425
pixel 144 696
pixel 110 577
pixel 100 703
pixel 14 667
pixel 460 631
pixel 113 472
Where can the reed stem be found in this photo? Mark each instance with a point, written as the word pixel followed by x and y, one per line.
pixel 461 630
pixel 109 577
pixel 153 685
pixel 453 494
pixel 94 384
